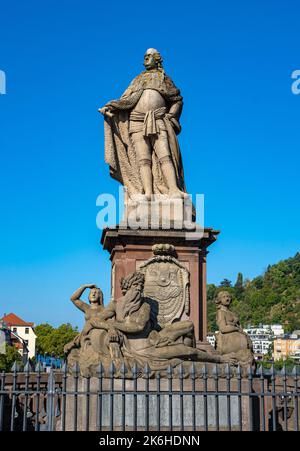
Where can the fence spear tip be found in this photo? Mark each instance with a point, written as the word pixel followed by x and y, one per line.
pixel 75 368
pixel 134 370
pixel 15 368
pixel 27 367
pixel 260 370
pixel 283 371
pixel 38 367
pixel 64 368
pixel 112 369
pixel 170 371
pixel 100 369
pixel 227 369
pixel 193 370
pixel 215 370
pixel 147 369
pixel 123 369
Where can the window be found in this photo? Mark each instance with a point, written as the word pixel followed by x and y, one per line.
pixel 26 330
pixel 15 330
pixel 26 342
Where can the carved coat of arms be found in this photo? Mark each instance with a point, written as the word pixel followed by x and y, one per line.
pixel 166 286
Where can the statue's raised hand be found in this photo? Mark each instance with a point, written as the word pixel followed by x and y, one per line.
pixel 106 111
pixel 113 336
pixel 68 347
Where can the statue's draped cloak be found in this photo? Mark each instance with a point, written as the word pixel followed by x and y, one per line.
pixel 119 151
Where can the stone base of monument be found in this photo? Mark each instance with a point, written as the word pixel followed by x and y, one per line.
pixel 159 212
pixel 131 408
pixel 130 249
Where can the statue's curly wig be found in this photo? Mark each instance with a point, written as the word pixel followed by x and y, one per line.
pixel 158 59
pixel 135 277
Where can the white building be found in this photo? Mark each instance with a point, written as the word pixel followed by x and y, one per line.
pixel 24 331
pixel 276 329
pixel 211 340
pixel 4 337
pixel 262 339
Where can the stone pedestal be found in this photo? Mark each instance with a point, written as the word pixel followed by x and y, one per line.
pixel 129 249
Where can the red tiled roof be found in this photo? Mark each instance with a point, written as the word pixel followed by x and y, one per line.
pixel 13 320
pixel 18 345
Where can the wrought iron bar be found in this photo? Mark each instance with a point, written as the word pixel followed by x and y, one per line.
pixel 15 370
pixel 158 401
pixel 204 375
pixel 2 399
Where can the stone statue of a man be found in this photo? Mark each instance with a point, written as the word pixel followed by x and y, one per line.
pixel 141 146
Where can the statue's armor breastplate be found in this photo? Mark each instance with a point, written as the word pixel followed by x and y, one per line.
pixel 149 100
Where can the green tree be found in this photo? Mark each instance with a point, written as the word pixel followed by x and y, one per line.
pixel 7 360
pixel 226 283
pixel 43 341
pixel 239 286
pixel 52 340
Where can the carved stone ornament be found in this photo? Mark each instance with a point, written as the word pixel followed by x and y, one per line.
pixel 166 286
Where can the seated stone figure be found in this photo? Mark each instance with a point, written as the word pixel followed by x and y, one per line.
pixel 127 335
pixel 231 340
pixel 95 309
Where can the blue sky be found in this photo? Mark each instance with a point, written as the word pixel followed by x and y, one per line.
pixel 240 141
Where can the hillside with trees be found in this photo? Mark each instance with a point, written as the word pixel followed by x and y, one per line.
pixel 271 298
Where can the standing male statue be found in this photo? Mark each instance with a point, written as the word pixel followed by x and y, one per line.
pixel 141 146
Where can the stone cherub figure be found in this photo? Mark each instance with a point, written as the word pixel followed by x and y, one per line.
pixel 231 340
pixel 124 332
pixel 141 146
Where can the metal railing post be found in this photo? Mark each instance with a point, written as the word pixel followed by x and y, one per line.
pixel 50 400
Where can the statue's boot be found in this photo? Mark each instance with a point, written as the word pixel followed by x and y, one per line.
pixel 146 176
pixel 169 175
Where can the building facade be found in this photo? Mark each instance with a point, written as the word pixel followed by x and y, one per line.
pixel 277 329
pixel 287 346
pixel 22 333
pixel 262 340
pixel 211 338
pixel 4 337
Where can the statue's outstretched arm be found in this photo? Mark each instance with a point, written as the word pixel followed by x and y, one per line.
pixel 75 298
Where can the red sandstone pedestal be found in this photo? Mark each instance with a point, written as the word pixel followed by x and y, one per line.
pixel 130 248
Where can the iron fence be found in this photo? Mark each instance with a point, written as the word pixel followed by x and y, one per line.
pixel 183 399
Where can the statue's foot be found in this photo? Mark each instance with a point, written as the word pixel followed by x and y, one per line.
pixel 177 194
pixel 141 197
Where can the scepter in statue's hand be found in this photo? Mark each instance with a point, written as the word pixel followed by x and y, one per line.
pixel 106 111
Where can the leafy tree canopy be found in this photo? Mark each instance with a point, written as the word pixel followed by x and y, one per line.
pixel 271 298
pixel 52 340
pixel 9 358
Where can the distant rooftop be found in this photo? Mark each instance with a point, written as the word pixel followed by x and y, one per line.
pixel 13 320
